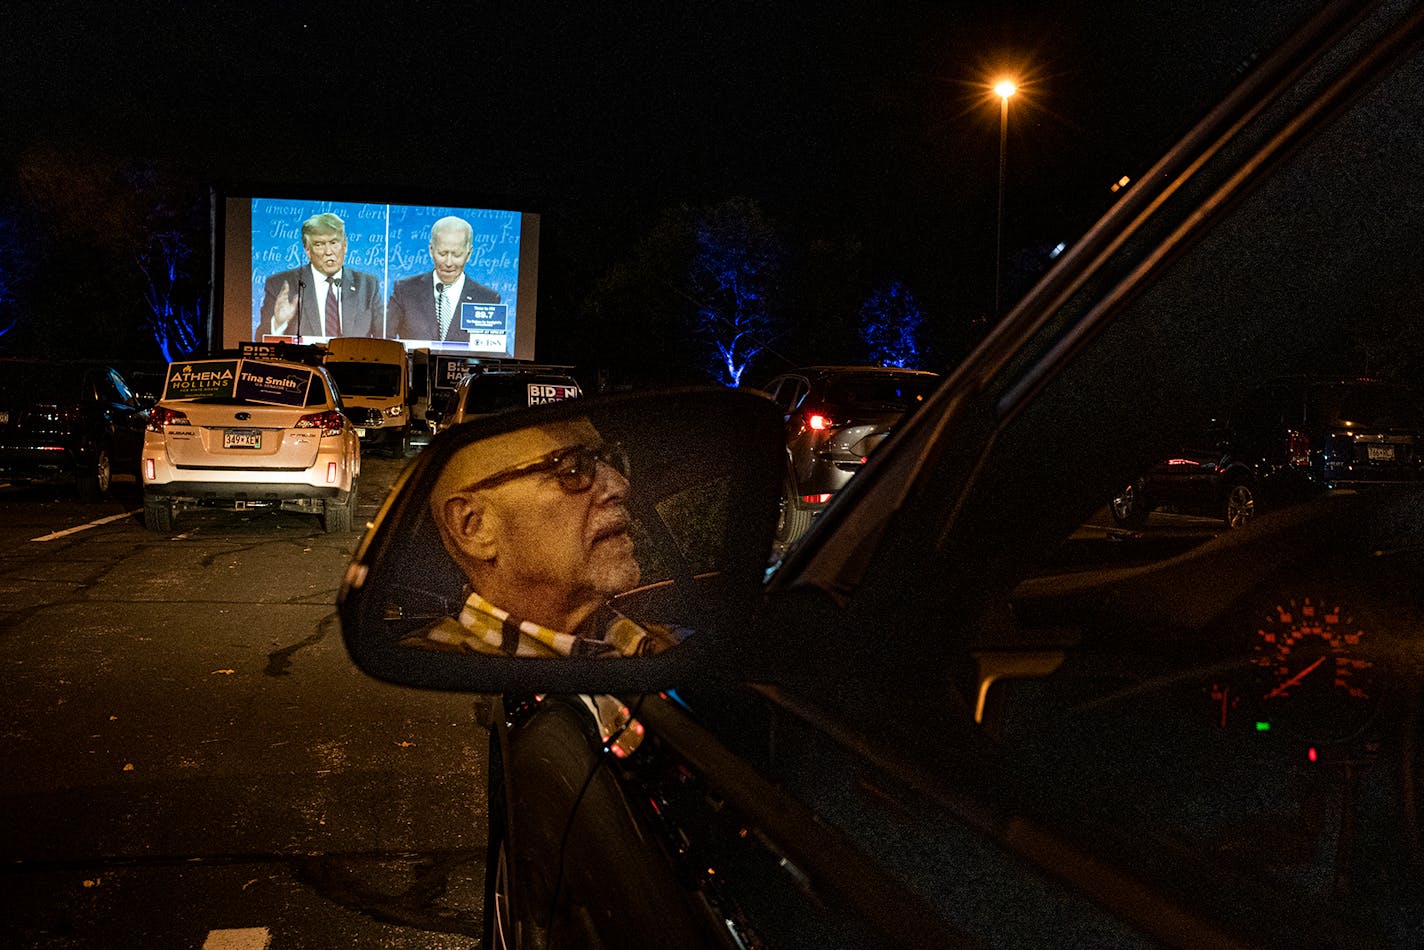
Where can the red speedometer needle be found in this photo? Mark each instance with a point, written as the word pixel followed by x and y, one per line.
pixel 1281 689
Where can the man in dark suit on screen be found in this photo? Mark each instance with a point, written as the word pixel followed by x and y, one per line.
pixel 427 306
pixel 324 298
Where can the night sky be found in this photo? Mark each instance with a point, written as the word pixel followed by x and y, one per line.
pixel 854 117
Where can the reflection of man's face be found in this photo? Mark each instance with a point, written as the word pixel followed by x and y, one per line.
pixel 538 520
pixel 560 547
pixel 327 252
pixel 450 252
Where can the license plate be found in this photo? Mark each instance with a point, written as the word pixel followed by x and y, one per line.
pixel 242 439
pixel 1380 453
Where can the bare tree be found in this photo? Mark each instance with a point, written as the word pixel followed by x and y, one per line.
pixel 734 277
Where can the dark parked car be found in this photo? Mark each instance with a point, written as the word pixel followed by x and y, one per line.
pixel 1286 439
pixel 73 422
pixel 835 417
pixel 951 717
pixel 491 389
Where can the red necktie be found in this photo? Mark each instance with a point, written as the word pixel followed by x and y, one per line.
pixel 333 311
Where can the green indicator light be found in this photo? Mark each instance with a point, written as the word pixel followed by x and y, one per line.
pixel 1263 727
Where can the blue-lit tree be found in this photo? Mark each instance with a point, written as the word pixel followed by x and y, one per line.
pixel 175 314
pixel 890 322
pixel 136 228
pixel 697 297
pixel 13 264
pixel 734 275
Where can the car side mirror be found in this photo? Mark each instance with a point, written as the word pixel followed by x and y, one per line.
pixel 593 545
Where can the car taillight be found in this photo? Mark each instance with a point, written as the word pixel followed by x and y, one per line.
pixel 330 422
pixel 160 416
pixel 1297 448
pixel 819 421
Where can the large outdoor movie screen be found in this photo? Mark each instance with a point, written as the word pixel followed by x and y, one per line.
pixel 304 270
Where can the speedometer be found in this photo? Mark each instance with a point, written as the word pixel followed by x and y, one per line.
pixel 1314 679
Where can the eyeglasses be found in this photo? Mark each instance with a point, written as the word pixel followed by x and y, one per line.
pixel 575 467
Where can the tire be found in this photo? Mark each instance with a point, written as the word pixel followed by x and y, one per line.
pixel 398 444
pixel 791 521
pixel 158 515
pixel 337 513
pixel 1240 505
pixel 93 482
pixel 1131 508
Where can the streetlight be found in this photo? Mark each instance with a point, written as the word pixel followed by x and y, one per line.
pixel 1004 88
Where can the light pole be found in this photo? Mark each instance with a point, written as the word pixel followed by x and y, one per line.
pixel 1004 88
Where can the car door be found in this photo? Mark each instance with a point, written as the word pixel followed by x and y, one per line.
pixel 128 419
pixel 1156 749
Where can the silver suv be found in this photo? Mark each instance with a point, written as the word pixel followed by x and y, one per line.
pixel 835 417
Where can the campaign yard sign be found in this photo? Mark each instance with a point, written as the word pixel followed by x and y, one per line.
pixel 273 383
pixel 198 380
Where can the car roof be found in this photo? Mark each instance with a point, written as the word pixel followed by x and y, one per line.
pixel 852 369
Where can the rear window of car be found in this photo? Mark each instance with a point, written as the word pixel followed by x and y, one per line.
pixel 487 394
pixel 900 393
pixel 30 383
pixel 243 381
pixel 1365 404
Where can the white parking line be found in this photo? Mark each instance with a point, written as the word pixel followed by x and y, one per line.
pixel 86 527
pixel 244 938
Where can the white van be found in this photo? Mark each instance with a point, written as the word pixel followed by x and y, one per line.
pixel 374 378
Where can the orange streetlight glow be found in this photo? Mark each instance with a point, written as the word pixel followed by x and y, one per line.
pixel 1004 88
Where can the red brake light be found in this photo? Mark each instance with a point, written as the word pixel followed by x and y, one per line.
pixel 1297 448
pixel 160 416
pixel 818 422
pixel 330 422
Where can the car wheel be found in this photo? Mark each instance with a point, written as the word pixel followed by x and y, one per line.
pixel 158 515
pixel 1131 508
pixel 791 521
pixel 336 513
pixel 93 482
pixel 1240 504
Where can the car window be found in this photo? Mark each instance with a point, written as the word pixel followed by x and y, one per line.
pixel 121 388
pixel 365 379
pixel 34 382
pixel 1364 403
pixel 1235 700
pixel 323 391
pixel 797 393
pixel 492 393
pixel 880 392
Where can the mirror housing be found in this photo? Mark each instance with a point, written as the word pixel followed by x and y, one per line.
pixel 703 487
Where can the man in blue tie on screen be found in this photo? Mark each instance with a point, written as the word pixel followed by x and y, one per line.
pixel 427 306
pixel 323 298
